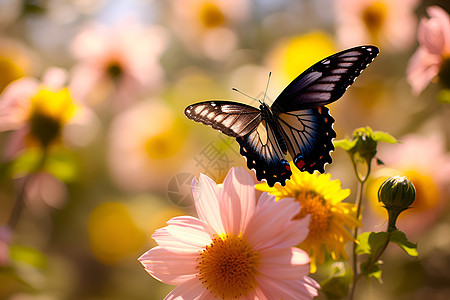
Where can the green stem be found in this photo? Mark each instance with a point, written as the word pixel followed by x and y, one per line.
pixel 358 202
pixel 20 198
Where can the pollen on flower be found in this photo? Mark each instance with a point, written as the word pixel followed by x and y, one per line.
pixel 374 17
pixel 227 267
pixel 320 211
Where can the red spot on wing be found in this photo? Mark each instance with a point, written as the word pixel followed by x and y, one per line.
pixel 300 164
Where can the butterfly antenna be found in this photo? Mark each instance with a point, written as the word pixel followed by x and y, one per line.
pixel 236 90
pixel 267 86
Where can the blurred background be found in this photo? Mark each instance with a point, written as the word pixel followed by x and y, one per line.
pixel 96 153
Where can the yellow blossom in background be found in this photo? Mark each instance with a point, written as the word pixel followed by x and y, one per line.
pixel 15 61
pixel 331 219
pixel 113 235
pixel 291 56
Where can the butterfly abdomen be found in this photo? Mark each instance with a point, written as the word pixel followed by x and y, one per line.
pixel 267 115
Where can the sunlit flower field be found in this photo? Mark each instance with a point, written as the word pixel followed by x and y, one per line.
pixel 108 190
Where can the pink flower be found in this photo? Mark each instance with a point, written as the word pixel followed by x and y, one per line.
pixel 434 49
pixel 237 249
pixel 121 62
pixel 423 160
pixel 42 112
pixel 387 24
pixel 208 28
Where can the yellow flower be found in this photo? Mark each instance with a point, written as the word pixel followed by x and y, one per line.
pixel 331 218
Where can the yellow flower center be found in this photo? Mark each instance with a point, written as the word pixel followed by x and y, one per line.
pixel 211 16
pixel 444 72
pixel 114 70
pixel 320 211
pixel 374 17
pixel 166 144
pixel 227 267
pixel 48 113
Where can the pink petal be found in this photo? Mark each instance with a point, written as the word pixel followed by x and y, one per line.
pixel 190 231
pixel 238 200
pixel 270 220
pixel 191 289
pixel 295 233
pixel 286 264
pixel 168 267
pixel 422 68
pixel 167 241
pixel 286 289
pixel 206 196
pixel 442 26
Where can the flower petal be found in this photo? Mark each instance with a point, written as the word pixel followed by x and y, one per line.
pixel 288 289
pixel 206 197
pixel 191 289
pixel 270 220
pixel 183 235
pixel 168 267
pixel 286 264
pixel 189 230
pixel 238 200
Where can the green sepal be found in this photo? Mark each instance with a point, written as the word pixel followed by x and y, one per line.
pixel 381 136
pixel 345 144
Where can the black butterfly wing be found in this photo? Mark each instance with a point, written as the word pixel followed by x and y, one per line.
pixel 263 153
pixel 305 123
pixel 256 137
pixel 231 118
pixel 308 134
pixel 325 81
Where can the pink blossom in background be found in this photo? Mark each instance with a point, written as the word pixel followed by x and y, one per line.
pixel 254 239
pixel 390 25
pixel 207 28
pixel 434 47
pixel 424 160
pixel 147 146
pixel 118 63
pixel 16 110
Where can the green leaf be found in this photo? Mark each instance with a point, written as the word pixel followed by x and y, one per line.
pixel 59 162
pixel 374 271
pixel 28 255
pixel 337 285
pixel 444 96
pixel 62 165
pixel 27 162
pixel 371 242
pixel 381 136
pixel 399 238
pixel 344 144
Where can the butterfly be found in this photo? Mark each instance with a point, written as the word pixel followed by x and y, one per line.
pixel 297 122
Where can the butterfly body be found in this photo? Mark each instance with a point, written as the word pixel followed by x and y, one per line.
pixel 297 122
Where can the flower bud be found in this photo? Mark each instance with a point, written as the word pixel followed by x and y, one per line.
pixel 366 146
pixel 397 194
